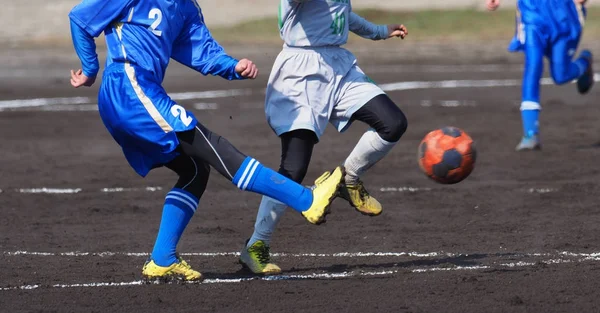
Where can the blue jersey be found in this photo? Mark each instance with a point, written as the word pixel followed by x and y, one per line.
pixel 553 20
pixel 142 36
pixel 147 33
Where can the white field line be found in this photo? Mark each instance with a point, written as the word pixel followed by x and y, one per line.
pixel 220 254
pixel 462 84
pixel 339 275
pixel 413 189
pixel 48 190
pixel 42 102
pixel 45 190
pixel 466 68
pixel 213 94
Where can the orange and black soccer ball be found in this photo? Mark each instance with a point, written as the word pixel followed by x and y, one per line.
pixel 447 155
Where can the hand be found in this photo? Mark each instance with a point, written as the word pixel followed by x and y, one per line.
pixel 581 1
pixel 79 79
pixel 492 5
pixel 395 30
pixel 246 69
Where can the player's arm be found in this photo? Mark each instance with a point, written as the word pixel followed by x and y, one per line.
pixel 88 20
pixel 197 49
pixel 366 29
pixel 85 47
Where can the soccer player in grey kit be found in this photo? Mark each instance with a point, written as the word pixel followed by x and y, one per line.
pixel 315 81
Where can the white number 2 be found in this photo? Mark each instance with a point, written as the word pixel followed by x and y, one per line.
pixel 156 15
pixel 179 111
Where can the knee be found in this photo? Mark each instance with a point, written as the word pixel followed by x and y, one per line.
pixel 195 179
pixel 295 172
pixel 559 75
pixel 559 79
pixel 394 128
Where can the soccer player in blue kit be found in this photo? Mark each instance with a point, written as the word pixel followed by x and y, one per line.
pixel 154 131
pixel 550 28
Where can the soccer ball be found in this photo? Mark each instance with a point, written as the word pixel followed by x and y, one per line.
pixel 447 155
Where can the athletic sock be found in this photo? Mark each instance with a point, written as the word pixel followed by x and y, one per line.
pixel 530 115
pixel 253 176
pixel 369 150
pixel 269 213
pixel 179 208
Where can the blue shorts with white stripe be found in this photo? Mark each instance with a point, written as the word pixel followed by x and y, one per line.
pixel 141 117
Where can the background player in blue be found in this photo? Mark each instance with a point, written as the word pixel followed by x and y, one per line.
pixel 550 28
pixel 154 131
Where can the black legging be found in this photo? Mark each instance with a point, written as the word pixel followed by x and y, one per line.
pixel 380 113
pixel 199 149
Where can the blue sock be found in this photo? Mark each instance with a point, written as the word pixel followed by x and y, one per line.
pixel 530 122
pixel 255 177
pixel 179 208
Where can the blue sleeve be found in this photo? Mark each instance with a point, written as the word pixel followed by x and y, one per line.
pixel 196 48
pixel 94 16
pixel 85 47
pixel 366 29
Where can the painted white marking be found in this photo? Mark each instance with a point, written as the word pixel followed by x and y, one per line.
pixel 50 190
pixel 403 189
pixel 63 101
pixel 470 68
pixel 542 190
pixel 220 254
pixel 46 190
pixel 518 264
pixel 205 106
pixel 580 257
pixel 21 103
pixel 411 85
pixel 448 103
pixel 214 94
pixel 123 189
pixel 455 268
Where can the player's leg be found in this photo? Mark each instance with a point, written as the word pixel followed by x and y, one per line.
pixel 361 99
pixel 179 207
pixel 248 174
pixel 296 152
pixel 387 125
pixel 564 69
pixel 530 90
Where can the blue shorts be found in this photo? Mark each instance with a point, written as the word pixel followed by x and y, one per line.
pixel 141 117
pixel 555 22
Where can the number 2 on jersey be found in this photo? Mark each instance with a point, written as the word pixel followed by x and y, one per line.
pixel 179 111
pixel 156 15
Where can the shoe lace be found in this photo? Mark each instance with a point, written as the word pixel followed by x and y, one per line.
pixel 262 252
pixel 183 263
pixel 362 191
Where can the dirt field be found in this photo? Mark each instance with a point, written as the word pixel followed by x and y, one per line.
pixel 519 235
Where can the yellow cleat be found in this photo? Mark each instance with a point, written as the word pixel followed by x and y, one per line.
pixel 176 272
pixel 325 190
pixel 257 259
pixel 360 199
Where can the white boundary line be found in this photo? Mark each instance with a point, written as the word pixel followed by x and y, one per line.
pixel 213 94
pixel 387 189
pixel 46 190
pixel 220 254
pixel 581 257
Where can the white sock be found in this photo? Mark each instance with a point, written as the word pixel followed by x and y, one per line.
pixel 369 150
pixel 269 213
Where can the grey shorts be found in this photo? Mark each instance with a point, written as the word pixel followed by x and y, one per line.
pixel 309 87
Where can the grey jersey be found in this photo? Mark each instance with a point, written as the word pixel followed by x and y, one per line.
pixel 317 23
